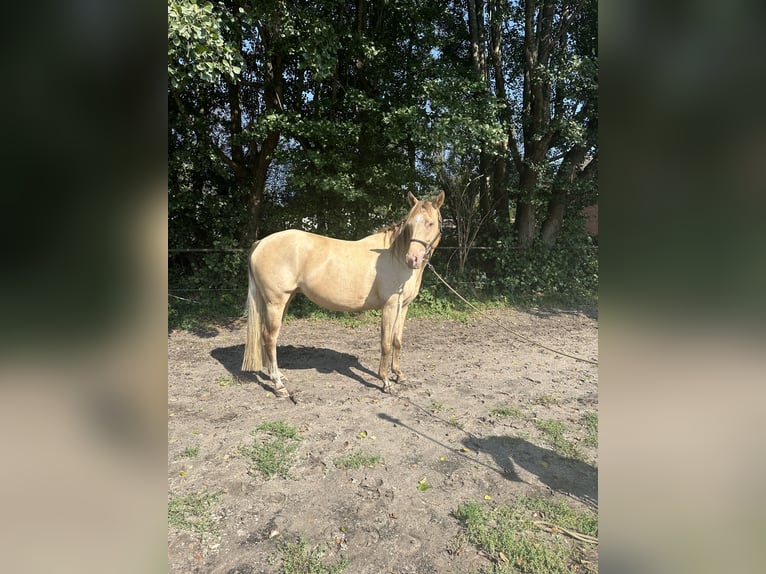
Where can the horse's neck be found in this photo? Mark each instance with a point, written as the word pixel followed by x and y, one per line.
pixel 379 239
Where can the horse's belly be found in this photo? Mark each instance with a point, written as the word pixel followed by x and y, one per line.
pixel 341 296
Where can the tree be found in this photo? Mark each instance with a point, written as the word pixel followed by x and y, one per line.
pixel 537 59
pixel 324 113
pixel 556 56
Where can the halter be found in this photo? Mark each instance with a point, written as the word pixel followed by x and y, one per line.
pixel 429 245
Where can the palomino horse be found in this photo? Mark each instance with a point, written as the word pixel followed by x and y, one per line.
pixel 380 271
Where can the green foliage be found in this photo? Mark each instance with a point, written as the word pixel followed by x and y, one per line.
pixel 554 433
pixel 590 422
pixel 545 401
pixel 298 558
pixel 190 452
pixel 279 429
pixel 512 537
pixel 341 116
pixel 563 273
pixel 358 460
pixel 558 512
pixel 197 47
pixel 195 513
pixel 207 287
pixel 273 454
pixel 432 303
pixel 505 411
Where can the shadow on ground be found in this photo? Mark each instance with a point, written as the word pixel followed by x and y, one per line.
pixel 294 358
pixel 589 311
pixel 566 475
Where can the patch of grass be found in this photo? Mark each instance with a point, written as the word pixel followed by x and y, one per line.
pixel 513 537
pixel 358 460
pixel 195 513
pixel 561 514
pixel 546 401
pixel 455 422
pixel 510 412
pixel 273 454
pixel 590 422
pixel 279 429
pixel 553 431
pixel 436 407
pixel 298 558
pixel 456 545
pixel 190 451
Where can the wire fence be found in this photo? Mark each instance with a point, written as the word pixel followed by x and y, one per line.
pixel 448 262
pixel 193 271
pixel 242 249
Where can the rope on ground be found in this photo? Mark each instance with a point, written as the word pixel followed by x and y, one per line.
pixel 499 324
pixel 550 527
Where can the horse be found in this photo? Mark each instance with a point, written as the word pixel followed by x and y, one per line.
pixel 381 271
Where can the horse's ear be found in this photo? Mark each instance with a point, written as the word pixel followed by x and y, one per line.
pixel 412 199
pixel 439 200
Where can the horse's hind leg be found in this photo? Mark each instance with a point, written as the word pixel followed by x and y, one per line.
pixel 271 326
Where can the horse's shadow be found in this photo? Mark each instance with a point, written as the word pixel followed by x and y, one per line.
pixel 561 474
pixel 292 358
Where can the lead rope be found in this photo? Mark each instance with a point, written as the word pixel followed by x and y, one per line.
pixel 499 324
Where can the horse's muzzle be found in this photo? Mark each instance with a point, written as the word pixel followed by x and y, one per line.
pixel 414 261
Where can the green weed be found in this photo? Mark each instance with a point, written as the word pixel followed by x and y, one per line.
pixel 545 401
pixel 194 513
pixel 273 454
pixel 358 460
pixel 561 514
pixel 511 412
pixel 297 558
pixel 590 421
pixel 553 431
pixel 190 451
pixel 512 535
pixel 455 422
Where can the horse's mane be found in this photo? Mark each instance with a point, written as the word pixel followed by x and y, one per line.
pixel 398 236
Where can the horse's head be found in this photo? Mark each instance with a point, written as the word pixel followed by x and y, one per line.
pixel 423 230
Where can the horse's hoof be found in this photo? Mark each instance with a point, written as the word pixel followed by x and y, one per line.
pixel 282 393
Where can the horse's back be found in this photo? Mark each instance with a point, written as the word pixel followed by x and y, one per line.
pixel 279 258
pixel 334 273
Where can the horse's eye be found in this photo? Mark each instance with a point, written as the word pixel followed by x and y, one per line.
pixel 430 224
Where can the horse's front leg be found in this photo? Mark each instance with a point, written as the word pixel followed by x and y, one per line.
pixel 386 339
pixel 397 344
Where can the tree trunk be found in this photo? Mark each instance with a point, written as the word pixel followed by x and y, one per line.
pixel 525 223
pixel 485 187
pixel 476 31
pixel 566 175
pixel 500 198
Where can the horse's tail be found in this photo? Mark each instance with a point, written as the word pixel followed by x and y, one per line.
pixel 253 359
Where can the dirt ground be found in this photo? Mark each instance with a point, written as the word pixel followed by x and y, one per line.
pixel 437 426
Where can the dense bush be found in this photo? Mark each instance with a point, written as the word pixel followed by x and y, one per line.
pixel 565 272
